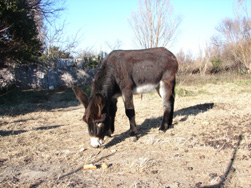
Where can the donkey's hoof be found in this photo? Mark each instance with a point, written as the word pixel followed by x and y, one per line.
pixel 107 137
pixel 162 131
pixel 134 138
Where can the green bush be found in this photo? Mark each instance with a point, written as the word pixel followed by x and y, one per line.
pixel 217 65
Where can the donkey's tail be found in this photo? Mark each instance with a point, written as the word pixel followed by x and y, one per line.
pixel 173 89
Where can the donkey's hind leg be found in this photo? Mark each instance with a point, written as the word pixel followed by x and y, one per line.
pixel 166 91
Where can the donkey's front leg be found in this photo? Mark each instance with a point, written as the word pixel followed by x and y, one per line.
pixel 130 113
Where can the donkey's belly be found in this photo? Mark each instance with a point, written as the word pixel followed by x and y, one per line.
pixel 145 88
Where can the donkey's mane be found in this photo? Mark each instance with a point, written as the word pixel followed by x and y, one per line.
pixel 104 82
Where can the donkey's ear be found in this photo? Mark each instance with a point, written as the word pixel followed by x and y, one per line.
pixel 81 96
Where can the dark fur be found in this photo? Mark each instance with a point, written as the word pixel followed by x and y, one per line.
pixel 121 72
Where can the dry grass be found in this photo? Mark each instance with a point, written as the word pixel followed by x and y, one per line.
pixel 42 148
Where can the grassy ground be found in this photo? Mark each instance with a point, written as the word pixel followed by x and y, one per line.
pixel 42 136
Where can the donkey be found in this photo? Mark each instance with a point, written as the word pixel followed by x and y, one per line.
pixel 124 73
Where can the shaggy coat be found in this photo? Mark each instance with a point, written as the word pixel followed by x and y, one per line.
pixel 124 73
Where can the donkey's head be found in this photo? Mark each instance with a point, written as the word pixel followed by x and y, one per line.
pixel 95 116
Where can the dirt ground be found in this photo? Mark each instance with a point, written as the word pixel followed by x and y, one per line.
pixel 208 146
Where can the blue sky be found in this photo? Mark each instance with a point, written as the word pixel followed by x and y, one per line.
pixel 104 21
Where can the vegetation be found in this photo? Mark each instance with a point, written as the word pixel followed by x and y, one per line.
pixel 154 24
pixel 18 32
pixel 55 53
pixel 19 102
pixel 23 30
pixel 92 61
pixel 229 49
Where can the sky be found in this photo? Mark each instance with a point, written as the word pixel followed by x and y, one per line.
pixel 102 21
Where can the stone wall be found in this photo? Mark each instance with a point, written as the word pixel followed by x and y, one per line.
pixel 57 74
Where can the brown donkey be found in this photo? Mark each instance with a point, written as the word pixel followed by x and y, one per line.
pixel 124 73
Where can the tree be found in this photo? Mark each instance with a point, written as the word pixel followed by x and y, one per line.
pixel 90 59
pixel 55 53
pixel 21 23
pixel 114 46
pixel 53 35
pixel 154 24
pixel 18 32
pixel 234 37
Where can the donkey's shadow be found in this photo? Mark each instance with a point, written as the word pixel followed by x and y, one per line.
pixel 150 123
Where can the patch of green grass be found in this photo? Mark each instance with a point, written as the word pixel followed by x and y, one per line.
pixel 200 79
pixel 19 102
pixel 188 93
pixel 184 92
pixel 27 96
pixel 243 82
pixel 202 91
pixel 68 95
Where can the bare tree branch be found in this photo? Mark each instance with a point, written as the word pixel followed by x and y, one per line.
pixel 55 36
pixel 153 24
pixel 115 46
pixel 235 36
